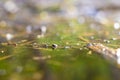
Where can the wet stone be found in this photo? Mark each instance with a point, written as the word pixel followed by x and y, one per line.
pixel 35 45
pixel 114 38
pixel 67 47
pixel 54 46
pixel 106 41
pixel 45 46
pixel 89 44
pixel 92 37
pixel 81 48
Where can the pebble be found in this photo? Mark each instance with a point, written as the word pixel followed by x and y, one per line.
pixel 114 38
pixel 54 46
pixel 67 47
pixel 106 41
pixel 92 37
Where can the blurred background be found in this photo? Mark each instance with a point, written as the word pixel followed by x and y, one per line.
pixel 30 15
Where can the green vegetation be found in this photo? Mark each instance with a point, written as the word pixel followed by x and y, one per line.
pixel 70 60
pixel 48 40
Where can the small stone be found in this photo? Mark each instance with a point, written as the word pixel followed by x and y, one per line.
pixel 92 37
pixel 45 46
pixel 106 41
pixel 22 41
pixel 114 38
pixel 81 48
pixel 35 45
pixel 90 52
pixel 66 47
pixel 54 46
pixel 40 36
pixel 89 44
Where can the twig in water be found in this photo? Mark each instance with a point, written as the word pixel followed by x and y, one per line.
pixel 113 55
pixel 5 57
